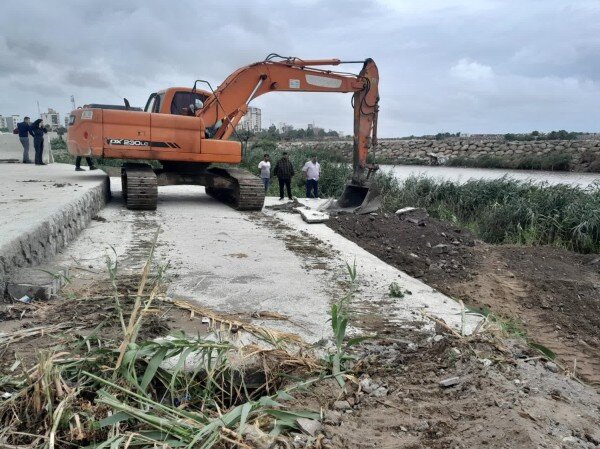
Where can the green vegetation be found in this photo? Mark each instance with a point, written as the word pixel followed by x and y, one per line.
pixel 334 173
pixel 340 316
pixel 504 210
pixel 398 292
pixel 550 161
pixel 536 135
pixel 290 133
pixel 512 327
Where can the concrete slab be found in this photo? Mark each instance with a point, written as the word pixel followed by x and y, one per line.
pixel 42 208
pixel 312 216
pixel 39 283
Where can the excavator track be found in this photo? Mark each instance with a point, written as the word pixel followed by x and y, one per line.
pixel 247 194
pixel 140 186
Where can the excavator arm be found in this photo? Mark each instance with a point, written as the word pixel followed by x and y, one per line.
pixel 229 101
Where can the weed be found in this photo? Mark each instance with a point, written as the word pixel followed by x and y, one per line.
pixel 339 323
pixel 550 161
pixel 544 350
pixel 396 291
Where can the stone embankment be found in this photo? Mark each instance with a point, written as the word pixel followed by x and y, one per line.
pixel 584 154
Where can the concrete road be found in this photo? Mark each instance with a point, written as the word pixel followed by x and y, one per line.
pixel 226 260
pixel 246 263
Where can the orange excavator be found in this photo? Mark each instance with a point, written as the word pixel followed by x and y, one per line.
pixel 188 129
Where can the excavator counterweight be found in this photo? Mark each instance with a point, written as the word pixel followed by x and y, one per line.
pixel 187 129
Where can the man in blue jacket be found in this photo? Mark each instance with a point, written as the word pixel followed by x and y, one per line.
pixel 24 131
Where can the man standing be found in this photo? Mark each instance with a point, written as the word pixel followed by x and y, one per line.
pixel 24 130
pixel 265 171
pixel 284 170
pixel 89 160
pixel 37 131
pixel 312 171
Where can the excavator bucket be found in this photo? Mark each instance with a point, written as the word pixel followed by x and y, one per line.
pixel 362 199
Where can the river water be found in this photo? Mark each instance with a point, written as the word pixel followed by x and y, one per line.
pixel 462 175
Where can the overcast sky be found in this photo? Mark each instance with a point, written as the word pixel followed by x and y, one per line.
pixel 445 65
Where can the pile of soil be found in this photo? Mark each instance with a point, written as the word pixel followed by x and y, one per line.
pixel 553 293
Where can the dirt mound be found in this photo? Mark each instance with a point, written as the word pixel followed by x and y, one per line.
pixel 553 292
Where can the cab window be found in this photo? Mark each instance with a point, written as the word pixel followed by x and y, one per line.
pixel 182 101
pixel 154 102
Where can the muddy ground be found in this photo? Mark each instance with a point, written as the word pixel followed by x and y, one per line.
pixel 550 294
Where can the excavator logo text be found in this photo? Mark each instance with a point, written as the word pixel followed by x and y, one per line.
pixel 142 143
pixel 134 143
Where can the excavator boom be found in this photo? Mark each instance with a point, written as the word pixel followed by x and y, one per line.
pixel 295 75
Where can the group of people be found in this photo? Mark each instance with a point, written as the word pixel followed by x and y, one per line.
pixel 37 131
pixel 284 171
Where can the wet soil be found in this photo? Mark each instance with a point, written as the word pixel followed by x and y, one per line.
pixel 551 294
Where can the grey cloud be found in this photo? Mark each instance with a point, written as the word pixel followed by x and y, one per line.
pixel 86 78
pixel 446 65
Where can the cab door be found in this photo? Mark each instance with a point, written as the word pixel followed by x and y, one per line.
pixel 179 131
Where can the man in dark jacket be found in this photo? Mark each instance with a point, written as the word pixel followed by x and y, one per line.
pixel 284 170
pixel 24 131
pixel 37 131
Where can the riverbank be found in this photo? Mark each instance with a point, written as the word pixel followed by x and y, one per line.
pixel 228 287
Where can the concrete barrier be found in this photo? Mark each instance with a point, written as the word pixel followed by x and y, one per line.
pixel 42 209
pixel 12 150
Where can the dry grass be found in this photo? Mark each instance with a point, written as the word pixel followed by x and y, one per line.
pixel 178 391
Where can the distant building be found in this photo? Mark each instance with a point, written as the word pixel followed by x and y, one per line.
pixel 251 121
pixel 51 118
pixel 284 127
pixel 2 122
pixel 67 121
pixel 10 122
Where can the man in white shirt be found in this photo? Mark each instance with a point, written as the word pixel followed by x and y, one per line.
pixel 265 171
pixel 312 171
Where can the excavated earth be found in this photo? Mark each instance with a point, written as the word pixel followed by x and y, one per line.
pixel 551 295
